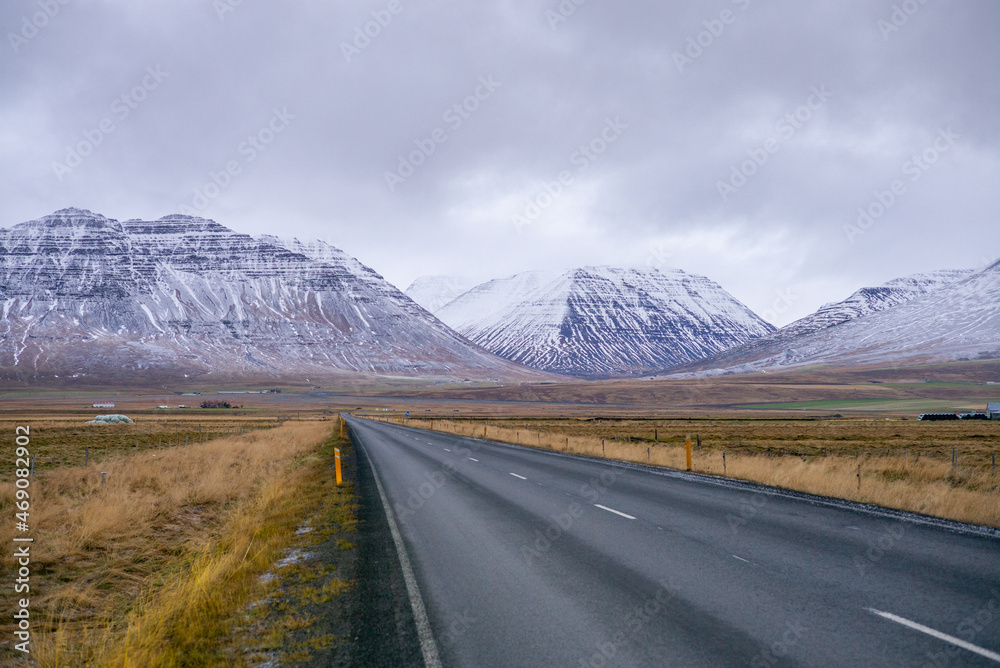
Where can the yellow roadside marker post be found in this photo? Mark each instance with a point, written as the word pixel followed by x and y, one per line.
pixel 687 446
pixel 336 456
pixel 342 427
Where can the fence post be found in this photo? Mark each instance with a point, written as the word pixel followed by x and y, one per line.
pixel 602 447
pixel 687 447
pixel 699 441
pixel 86 458
pixel 104 477
pixel 32 474
pixel 723 463
pixel 954 457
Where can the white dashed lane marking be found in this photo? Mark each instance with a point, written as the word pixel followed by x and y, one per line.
pixel 612 510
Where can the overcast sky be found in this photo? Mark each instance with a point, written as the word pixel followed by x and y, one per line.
pixel 734 138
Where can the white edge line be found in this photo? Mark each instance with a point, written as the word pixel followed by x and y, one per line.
pixel 473 460
pixel 741 559
pixel 612 510
pixel 518 476
pixel 937 634
pixel 428 646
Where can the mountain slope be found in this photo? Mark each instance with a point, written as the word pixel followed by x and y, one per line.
pixel 434 292
pixel 956 320
pixel 602 321
pixel 86 295
pixel 872 300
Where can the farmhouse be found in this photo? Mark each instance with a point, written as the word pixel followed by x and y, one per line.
pixel 993 411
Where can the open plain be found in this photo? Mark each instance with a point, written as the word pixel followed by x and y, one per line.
pixel 115 562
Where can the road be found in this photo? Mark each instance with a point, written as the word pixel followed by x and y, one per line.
pixel 531 558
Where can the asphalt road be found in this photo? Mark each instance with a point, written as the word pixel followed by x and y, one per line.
pixel 529 558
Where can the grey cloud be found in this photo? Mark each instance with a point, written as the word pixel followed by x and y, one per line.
pixel 323 175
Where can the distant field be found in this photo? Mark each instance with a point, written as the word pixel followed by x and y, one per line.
pixel 64 440
pixel 975 440
pixel 893 406
pixel 900 391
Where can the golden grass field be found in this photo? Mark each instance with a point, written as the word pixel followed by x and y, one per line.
pixel 60 441
pixel 152 567
pixel 902 464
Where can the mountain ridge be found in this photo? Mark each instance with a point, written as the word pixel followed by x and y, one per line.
pixel 602 321
pixel 951 315
pixel 187 297
pixel 435 292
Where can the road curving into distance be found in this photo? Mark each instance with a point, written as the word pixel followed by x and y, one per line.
pixel 520 557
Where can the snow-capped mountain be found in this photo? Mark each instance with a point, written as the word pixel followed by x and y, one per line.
pixel 434 292
pixel 602 321
pixel 871 300
pixel 948 316
pixel 85 295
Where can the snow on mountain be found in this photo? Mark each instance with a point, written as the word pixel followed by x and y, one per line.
pixel 602 321
pixel 871 300
pixel 86 295
pixel 941 317
pixel 434 292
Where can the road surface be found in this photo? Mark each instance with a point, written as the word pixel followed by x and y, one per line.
pixel 518 557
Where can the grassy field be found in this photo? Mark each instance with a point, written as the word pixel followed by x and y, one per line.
pixel 885 405
pixel 895 463
pixel 955 386
pixel 60 441
pixel 154 566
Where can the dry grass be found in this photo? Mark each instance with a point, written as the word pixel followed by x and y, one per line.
pixel 64 441
pixel 145 569
pixel 958 385
pixel 904 465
